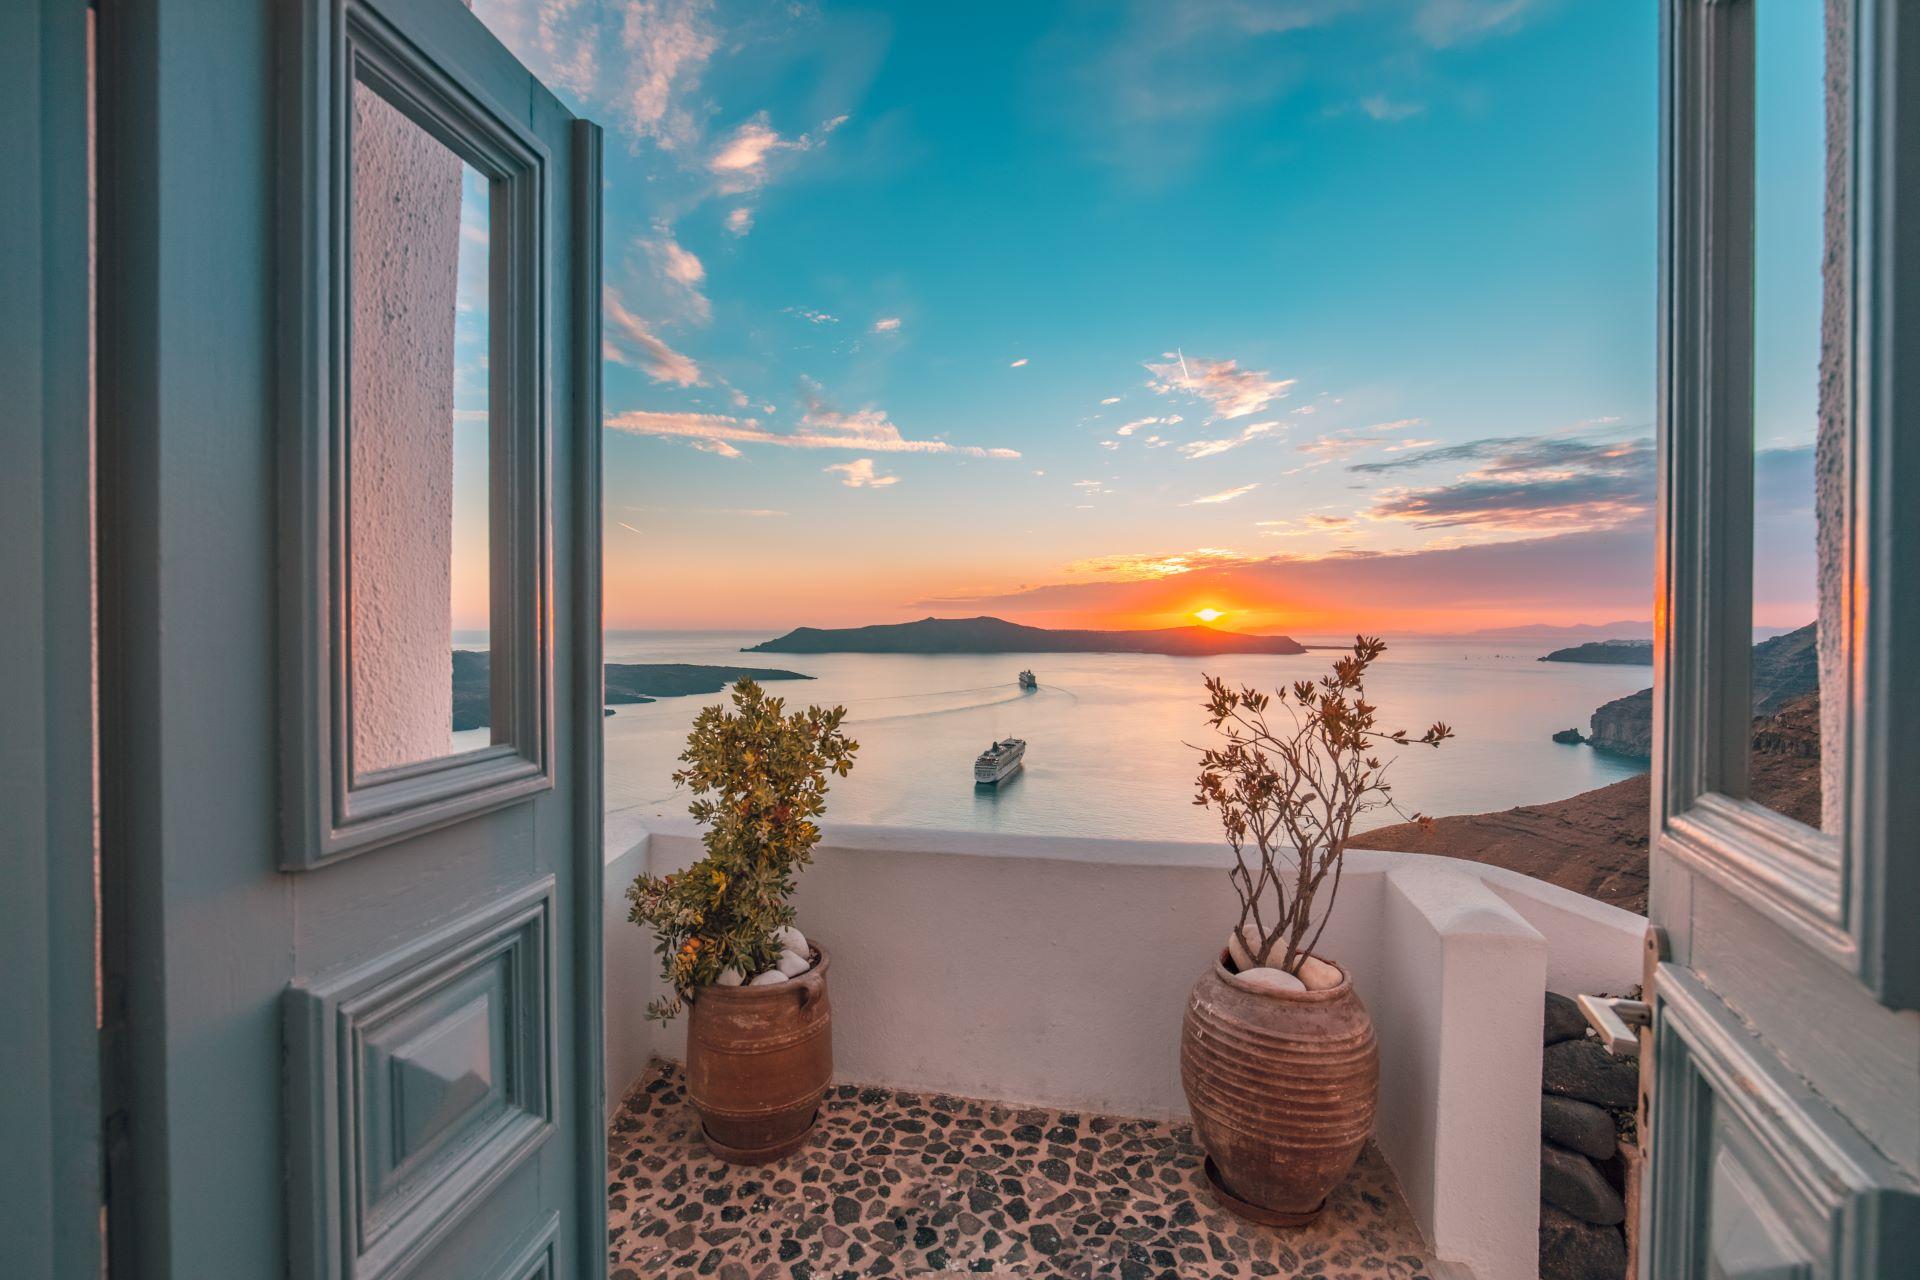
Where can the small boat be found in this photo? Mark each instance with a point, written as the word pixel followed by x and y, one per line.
pixel 1027 681
pixel 992 766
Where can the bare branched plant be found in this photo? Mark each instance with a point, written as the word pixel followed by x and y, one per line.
pixel 1288 795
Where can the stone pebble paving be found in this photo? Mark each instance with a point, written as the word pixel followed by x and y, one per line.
pixel 908 1185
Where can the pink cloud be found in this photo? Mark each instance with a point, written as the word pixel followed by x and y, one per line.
pixel 1233 392
pixel 629 341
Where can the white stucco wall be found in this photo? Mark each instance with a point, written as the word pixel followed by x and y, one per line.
pixel 406 253
pixel 1055 971
pixel 1830 448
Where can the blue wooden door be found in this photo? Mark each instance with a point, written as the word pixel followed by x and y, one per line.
pixel 1781 1077
pixel 50 1179
pixel 350 625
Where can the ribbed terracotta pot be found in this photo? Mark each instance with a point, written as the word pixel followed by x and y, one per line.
pixel 1283 1087
pixel 758 1061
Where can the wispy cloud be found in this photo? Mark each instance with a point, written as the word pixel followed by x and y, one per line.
pixel 887 324
pixel 1382 108
pixel 1128 428
pixel 1337 445
pixel 822 426
pixel 859 474
pixel 1209 448
pixel 680 275
pixel 1225 495
pixel 629 341
pixel 811 316
pixel 1526 483
pixel 1111 400
pixel 740 221
pixel 668 44
pixel 1018 363
pixel 750 513
pixel 1304 525
pixel 740 163
pixel 1147 568
pixel 1231 391
pixel 1449 22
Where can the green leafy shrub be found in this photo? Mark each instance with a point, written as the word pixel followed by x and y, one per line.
pixel 759 777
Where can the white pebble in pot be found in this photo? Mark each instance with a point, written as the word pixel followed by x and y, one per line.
pixel 1271 980
pixel 770 978
pixel 1241 946
pixel 791 939
pixel 793 964
pixel 1318 975
pixel 729 978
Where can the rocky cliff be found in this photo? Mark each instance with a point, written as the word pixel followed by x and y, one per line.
pixel 1624 726
pixel 1786 669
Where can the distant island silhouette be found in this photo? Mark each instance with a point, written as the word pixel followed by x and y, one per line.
pixel 1616 653
pixel 627 683
pixel 997 635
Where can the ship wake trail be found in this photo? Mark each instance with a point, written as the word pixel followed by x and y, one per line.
pixel 938 711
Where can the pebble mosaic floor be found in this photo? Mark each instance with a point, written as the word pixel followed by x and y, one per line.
pixel 907 1185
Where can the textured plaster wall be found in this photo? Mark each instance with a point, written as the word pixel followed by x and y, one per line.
pixel 406 251
pixel 1830 448
pixel 1056 971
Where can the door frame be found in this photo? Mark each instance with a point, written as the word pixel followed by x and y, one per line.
pixel 52 1182
pixel 1778 1103
pixel 1839 893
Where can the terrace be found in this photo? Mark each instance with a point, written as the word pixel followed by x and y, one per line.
pixel 1007 1092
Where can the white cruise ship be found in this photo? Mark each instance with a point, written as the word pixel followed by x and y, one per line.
pixel 997 761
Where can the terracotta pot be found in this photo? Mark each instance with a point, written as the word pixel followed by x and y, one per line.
pixel 758 1061
pixel 1283 1087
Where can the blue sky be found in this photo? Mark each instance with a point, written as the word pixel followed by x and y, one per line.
pixel 1092 310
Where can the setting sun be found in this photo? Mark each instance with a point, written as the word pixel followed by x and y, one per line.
pixel 1208 615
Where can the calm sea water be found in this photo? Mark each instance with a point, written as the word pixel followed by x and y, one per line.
pixel 1107 733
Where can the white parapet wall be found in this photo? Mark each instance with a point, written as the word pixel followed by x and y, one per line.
pixel 1055 971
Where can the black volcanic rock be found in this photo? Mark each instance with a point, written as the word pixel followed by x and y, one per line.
pixel 1582 1069
pixel 996 635
pixel 627 683
pixel 1578 1126
pixel 1574 1250
pixel 1563 1019
pixel 1569 1181
pixel 1618 653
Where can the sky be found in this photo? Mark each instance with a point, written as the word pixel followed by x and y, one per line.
pixel 1326 314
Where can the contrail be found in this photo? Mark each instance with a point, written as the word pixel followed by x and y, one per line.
pixel 1184 375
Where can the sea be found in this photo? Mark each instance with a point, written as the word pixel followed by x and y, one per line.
pixel 1113 739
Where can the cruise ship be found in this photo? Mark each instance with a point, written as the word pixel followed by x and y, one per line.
pixel 992 766
pixel 1027 681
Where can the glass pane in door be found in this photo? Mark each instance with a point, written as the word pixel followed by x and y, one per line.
pixel 420 560
pixel 1798 412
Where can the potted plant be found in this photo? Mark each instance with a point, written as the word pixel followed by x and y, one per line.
pixel 1277 1052
pixel 760 1034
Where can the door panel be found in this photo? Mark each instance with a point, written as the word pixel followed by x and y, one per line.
pixel 50 1180
pixel 364 993
pixel 1782 1070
